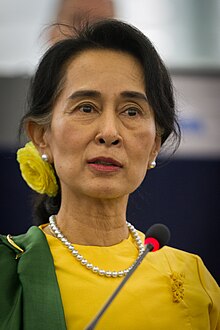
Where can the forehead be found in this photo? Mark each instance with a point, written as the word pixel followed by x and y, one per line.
pixel 104 68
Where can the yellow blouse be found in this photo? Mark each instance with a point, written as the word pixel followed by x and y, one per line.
pixel 171 290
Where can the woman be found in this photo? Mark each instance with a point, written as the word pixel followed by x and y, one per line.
pixel 101 108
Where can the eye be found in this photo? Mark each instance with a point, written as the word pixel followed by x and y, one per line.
pixel 132 112
pixel 86 108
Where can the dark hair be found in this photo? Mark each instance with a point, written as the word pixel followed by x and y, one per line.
pixel 107 34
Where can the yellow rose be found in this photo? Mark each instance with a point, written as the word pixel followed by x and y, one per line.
pixel 39 175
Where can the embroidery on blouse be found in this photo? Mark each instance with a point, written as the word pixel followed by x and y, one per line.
pixel 177 281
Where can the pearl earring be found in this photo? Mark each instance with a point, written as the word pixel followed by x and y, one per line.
pixel 44 157
pixel 153 164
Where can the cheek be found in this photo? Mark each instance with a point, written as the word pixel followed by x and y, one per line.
pixel 64 138
pixel 141 152
pixel 143 144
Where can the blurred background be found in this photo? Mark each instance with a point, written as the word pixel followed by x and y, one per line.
pixel 183 194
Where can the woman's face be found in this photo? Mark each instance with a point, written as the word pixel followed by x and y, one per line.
pixel 102 135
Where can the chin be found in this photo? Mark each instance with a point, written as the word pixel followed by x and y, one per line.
pixel 107 192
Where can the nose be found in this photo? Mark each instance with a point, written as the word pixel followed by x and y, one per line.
pixel 108 140
pixel 108 132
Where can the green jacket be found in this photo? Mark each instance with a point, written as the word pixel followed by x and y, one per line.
pixel 29 293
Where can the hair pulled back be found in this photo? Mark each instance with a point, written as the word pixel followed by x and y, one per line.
pixel 107 34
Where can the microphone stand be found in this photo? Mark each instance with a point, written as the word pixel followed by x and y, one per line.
pixel 91 326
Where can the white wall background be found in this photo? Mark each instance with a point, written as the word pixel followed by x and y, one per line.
pixel 186 32
pixel 22 26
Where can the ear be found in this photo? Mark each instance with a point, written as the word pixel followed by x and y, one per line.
pixel 155 150
pixel 38 135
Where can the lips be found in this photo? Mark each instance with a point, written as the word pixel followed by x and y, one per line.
pixel 105 161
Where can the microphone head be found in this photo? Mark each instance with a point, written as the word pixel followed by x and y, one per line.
pixel 158 235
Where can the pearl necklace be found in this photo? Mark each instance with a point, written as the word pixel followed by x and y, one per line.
pixel 57 233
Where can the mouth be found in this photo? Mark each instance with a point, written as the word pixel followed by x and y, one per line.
pixel 103 161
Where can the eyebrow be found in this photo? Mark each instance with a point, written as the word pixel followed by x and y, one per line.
pixel 134 95
pixel 85 93
pixel 97 94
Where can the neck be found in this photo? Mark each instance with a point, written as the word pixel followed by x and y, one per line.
pixel 93 222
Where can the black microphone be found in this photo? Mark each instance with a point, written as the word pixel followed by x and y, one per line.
pixel 156 237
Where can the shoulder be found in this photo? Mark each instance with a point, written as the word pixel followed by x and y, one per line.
pixel 188 263
pixel 187 268
pixel 13 247
pixel 26 263
pixel 174 262
pixel 195 274
pixel 200 285
pixel 13 242
pixel 11 250
pixel 179 256
pixel 18 252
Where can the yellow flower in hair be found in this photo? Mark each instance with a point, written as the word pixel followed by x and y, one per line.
pixel 39 175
